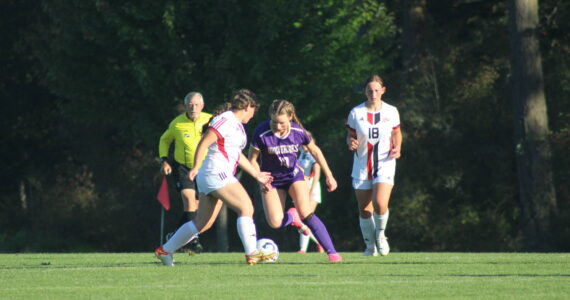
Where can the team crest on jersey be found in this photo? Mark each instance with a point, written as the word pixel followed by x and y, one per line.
pixel 385 120
pixel 186 135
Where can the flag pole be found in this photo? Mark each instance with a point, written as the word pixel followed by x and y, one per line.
pixel 164 198
pixel 161 225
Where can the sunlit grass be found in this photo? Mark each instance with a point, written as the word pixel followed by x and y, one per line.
pixel 294 276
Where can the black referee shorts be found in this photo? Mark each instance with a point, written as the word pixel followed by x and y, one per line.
pixel 180 174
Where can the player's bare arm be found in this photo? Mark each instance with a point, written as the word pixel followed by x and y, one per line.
pixel 320 158
pixel 208 139
pixel 253 156
pixel 351 140
pixel 264 178
pixel 397 142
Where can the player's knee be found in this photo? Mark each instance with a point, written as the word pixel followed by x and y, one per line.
pixel 307 218
pixel 274 222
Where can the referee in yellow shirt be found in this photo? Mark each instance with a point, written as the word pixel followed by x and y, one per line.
pixel 185 131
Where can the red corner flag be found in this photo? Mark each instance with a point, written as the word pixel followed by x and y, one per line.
pixel 163 197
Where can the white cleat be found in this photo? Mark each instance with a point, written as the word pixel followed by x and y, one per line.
pixel 165 257
pixel 383 246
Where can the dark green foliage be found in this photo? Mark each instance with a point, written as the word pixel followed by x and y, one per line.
pixel 88 87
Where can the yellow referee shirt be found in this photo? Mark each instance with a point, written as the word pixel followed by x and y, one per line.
pixel 185 134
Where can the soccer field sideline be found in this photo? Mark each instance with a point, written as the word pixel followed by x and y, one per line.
pixel 294 276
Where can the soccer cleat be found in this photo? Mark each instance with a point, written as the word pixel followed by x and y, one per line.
pixel 253 258
pixel 320 248
pixel 302 251
pixel 258 256
pixel 383 246
pixel 302 228
pixel 165 257
pixel 335 257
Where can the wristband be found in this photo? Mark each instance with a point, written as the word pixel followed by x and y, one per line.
pixel 163 159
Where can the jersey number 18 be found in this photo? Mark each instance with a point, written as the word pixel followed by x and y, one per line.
pixel 373 133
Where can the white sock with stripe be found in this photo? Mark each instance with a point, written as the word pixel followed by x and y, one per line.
pixel 381 221
pixel 183 235
pixel 303 242
pixel 247 234
pixel 367 227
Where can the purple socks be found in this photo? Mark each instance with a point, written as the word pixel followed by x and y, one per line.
pixel 320 232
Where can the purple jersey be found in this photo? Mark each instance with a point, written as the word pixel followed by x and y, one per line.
pixel 279 154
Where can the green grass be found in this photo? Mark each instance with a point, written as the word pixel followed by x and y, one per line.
pixel 294 276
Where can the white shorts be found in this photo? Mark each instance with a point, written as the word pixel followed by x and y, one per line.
pixel 386 173
pixel 315 195
pixel 208 183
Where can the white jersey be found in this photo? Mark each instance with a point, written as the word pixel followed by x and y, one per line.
pixel 223 155
pixel 373 131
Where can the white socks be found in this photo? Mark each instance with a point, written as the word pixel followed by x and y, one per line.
pixel 303 242
pixel 247 234
pixel 183 235
pixel 381 221
pixel 367 227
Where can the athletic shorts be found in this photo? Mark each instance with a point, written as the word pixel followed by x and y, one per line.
pixel 210 182
pixel 180 174
pixel 285 182
pixel 315 195
pixel 386 173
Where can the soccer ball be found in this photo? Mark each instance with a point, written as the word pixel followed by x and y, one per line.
pixel 267 246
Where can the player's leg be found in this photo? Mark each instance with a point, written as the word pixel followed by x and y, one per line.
pixel 209 209
pixel 316 199
pixel 304 239
pixel 237 199
pixel 208 212
pixel 382 190
pixel 191 204
pixel 299 192
pixel 273 207
pixel 381 196
pixel 363 192
pixel 187 189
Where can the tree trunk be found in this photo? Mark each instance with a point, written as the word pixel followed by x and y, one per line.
pixel 533 154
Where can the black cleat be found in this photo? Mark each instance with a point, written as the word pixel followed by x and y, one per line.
pixel 194 247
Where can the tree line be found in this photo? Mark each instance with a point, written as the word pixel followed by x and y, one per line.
pixel 88 87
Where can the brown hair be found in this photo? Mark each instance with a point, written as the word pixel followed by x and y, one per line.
pixel 373 78
pixel 279 107
pixel 242 99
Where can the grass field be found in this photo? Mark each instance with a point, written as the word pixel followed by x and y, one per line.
pixel 294 276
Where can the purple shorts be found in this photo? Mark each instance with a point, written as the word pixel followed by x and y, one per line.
pixel 284 182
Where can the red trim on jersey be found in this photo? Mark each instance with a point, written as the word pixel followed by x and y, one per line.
pixel 220 142
pixel 369 160
pixel 214 130
pixel 236 165
pixel 396 127
pixel 370 118
pixel 219 123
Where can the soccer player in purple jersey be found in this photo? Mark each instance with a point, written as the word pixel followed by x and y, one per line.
pixel 276 143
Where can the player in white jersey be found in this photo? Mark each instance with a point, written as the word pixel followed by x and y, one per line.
pixel 373 134
pixel 224 140
pixel 223 155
